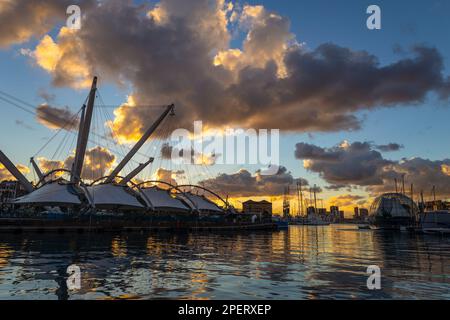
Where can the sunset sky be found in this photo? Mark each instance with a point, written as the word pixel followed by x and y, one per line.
pixel 356 107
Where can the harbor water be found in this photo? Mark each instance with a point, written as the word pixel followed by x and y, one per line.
pixel 303 262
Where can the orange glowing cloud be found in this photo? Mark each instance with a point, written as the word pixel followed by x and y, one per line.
pixel 127 126
pixel 64 59
pixel 6 175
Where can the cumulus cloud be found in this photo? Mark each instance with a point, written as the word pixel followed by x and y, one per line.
pixel 244 184
pixel 56 118
pixel 5 175
pixel 169 176
pixel 346 164
pixel 47 165
pixel 181 53
pixel 97 163
pixel 20 20
pixel 358 164
pixel 422 173
pixel 346 200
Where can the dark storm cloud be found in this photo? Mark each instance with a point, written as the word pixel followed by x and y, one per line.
pixel 56 118
pixel 168 55
pixel 357 164
pixel 346 164
pixel 20 20
pixel 244 184
pixel 422 173
pixel 389 147
pixel 325 86
pixel 335 187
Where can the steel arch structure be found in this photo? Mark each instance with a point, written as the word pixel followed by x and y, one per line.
pixel 42 180
pixel 192 204
pixel 227 205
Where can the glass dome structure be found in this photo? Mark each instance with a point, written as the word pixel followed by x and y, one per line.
pixel 393 206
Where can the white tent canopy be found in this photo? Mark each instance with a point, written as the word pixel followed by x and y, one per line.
pixel 201 202
pixel 51 194
pixel 112 196
pixel 161 199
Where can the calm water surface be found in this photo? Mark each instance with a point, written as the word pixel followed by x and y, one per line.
pixel 306 262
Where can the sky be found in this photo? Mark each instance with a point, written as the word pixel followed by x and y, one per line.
pixel 356 107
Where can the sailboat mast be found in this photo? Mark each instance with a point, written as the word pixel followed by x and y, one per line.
pixel 301 199
pixel 315 200
pixel 403 183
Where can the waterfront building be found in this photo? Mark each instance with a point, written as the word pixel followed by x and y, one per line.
pixel 251 206
pixel 9 190
pixel 363 213
pixel 437 205
pixel 356 213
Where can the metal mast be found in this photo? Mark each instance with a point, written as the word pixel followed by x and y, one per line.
pixel 83 135
pixel 15 172
pixel 136 171
pixel 139 144
pixel 80 130
pixel 36 168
